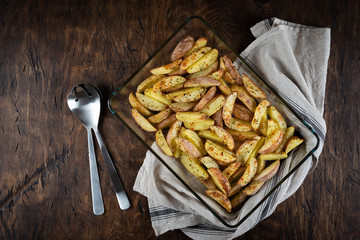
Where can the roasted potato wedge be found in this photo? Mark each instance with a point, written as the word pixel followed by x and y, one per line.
pixel 238 199
pixel 204 62
pixel 168 82
pixel 209 184
pixel 272 142
pixel 232 70
pixel 242 113
pixel 192 58
pixel 135 103
pixel 277 117
pixel 239 125
pixel 242 135
pixel 224 87
pixel 255 152
pixel 220 180
pixel 228 107
pixel 187 147
pixel 182 48
pixel 214 105
pixel 252 88
pixel 218 119
pixel 150 103
pixel 167 122
pixel 209 162
pixel 205 99
pixel 261 165
pixel 289 133
pixel 260 111
pixel 272 126
pixel 142 122
pixel 191 116
pixel 208 134
pixel 231 169
pixel 225 136
pixel 220 198
pixel 253 187
pixel 193 94
pixel 199 43
pixel 168 68
pixel 182 106
pixel 244 151
pixel 173 133
pixel 268 172
pixel 194 166
pixel 192 137
pixel 217 74
pixel 203 81
pixel 149 82
pixel 157 95
pixel 244 97
pixel 161 141
pixel 198 126
pixel 223 157
pixel 160 116
pixel 249 172
pixel 210 69
pixel 273 156
pixel 293 143
pixel 226 75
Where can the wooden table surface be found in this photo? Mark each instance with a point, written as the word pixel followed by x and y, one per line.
pixel 46 47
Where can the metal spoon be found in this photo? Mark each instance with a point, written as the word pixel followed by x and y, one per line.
pixel 85 102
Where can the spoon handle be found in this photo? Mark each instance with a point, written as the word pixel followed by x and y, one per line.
pixel 121 196
pixel 98 205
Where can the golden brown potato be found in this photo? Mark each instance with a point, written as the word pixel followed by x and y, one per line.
pixel 160 116
pixel 260 111
pixel 168 82
pixel 220 180
pixel 214 105
pixel 242 113
pixel 251 87
pixel 203 81
pixel 199 43
pixel 205 99
pixel 142 122
pixel 218 118
pixel 168 68
pixel 193 165
pixel 238 199
pixel 134 102
pixel 173 133
pixel 228 107
pixel 225 136
pixel 293 143
pixel 220 198
pixel 232 70
pixel 149 82
pixel 161 141
pixel 198 126
pixel 244 97
pixel 192 58
pixel 150 103
pixel 204 62
pixel 191 116
pixel 249 172
pixel 188 148
pixel 268 172
pixel 253 187
pixel 182 106
pixel 276 115
pixel 167 122
pixel 272 142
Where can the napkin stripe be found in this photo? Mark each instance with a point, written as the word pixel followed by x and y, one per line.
pixel 165 213
pixel 208 230
pixel 299 110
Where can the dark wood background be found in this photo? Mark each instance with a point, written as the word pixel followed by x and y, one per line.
pixel 46 47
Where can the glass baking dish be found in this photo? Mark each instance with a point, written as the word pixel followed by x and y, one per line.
pixel 120 107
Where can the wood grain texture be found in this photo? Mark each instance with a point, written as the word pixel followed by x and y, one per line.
pixel 46 47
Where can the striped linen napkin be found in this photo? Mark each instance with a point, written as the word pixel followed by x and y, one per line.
pixel 293 59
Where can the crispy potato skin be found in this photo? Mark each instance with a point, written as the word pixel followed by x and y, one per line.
pixel 182 48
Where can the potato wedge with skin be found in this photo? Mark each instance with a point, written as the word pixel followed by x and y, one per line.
pixel 249 172
pixel 218 118
pixel 193 94
pixel 168 68
pixel 194 166
pixel 259 114
pixel 177 72
pixel 177 152
pixel 198 126
pixel 235 189
pixel 209 162
pixel 224 87
pixel 231 169
pixel 205 99
pixel 173 89
pixel 135 103
pixel 182 107
pixel 242 113
pixel 217 74
pixel 161 141
pixel 150 103
pixel 226 137
pixel 272 126
pixel 182 48
pixel 191 116
pixel 268 172
pixel 252 88
pixel 220 180
pixel 173 133
pixel 255 152
pixel 210 69
pixel 188 148
pixel 214 105
pixel 192 58
pixel 204 62
pixel 157 95
pixel 228 107
pixel 160 116
pixel 244 97
pixel 220 198
pixel 203 81
pixel 199 43
pixel 218 153
pixel 238 199
pixel 141 121
pixel 242 135
pixel 226 75
pixel 185 91
pixel 253 187
pixel 237 174
pixel 149 82
pixel 209 184
pixel 208 134
pixel 192 137
pixel 167 122
pixel 168 82
pixel 273 156
pixel 277 117
pixel 239 125
pixel 244 151
pixel 232 70
pixel 289 133
pixel 261 165
pixel 263 127
pixel 272 142
pixel 293 143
